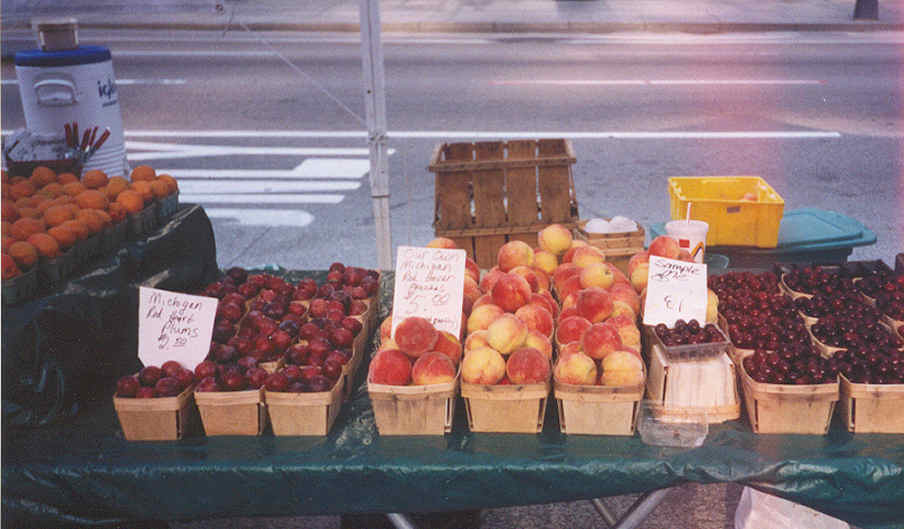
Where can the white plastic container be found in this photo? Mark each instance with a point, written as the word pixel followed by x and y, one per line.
pixel 690 234
pixel 74 85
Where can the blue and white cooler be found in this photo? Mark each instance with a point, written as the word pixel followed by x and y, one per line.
pixel 64 83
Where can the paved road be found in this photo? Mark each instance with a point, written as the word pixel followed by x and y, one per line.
pixel 274 147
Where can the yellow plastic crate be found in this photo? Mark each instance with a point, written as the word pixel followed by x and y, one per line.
pixel 720 201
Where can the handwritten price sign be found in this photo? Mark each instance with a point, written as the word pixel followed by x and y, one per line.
pixel 174 326
pixel 429 282
pixel 675 290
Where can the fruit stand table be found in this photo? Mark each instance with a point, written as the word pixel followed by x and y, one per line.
pixel 82 471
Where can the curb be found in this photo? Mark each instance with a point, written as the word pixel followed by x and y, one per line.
pixel 508 27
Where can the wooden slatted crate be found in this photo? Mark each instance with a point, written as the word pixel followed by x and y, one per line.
pixel 488 193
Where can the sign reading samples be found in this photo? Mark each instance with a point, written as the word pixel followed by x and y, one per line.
pixel 675 290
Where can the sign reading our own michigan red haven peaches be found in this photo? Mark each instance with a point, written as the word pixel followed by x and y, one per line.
pixel 429 282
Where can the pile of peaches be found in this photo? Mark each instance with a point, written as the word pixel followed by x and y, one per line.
pixel 44 214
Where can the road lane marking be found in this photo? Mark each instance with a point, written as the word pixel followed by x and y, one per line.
pixel 766 134
pixel 198 187
pixel 334 167
pixel 663 82
pixel 158 150
pixel 261 198
pixel 123 82
pixel 293 218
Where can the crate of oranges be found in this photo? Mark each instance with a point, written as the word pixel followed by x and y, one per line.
pixel 55 222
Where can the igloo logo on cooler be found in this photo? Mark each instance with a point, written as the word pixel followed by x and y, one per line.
pixel 106 89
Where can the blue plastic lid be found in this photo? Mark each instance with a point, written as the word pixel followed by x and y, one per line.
pixel 73 57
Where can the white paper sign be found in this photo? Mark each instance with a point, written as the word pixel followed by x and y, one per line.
pixel 429 282
pixel 174 326
pixel 675 290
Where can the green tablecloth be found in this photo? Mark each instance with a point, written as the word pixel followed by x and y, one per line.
pixel 83 471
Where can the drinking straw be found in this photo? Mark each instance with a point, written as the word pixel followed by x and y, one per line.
pixel 687 218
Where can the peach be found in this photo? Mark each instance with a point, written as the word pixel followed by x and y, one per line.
pixel 620 308
pixel 483 365
pixel 510 292
pixel 600 340
pixel 472 269
pixel 624 292
pixel 566 313
pixel 387 343
pixel 545 261
pixel 442 242
pixel 470 295
pixel 570 301
pixel 563 272
pixel 432 367
pixel 536 318
pixel 621 368
pixel 617 275
pixel 489 279
pixel 545 301
pixel 571 285
pixel 529 275
pixel 481 317
pixel 575 368
pixel 476 340
pixel 507 333
pixel 542 280
pixel 640 276
pixel 570 348
pixel 597 275
pixel 415 335
pixel 485 299
pixel 514 253
pixel 575 244
pixel 636 259
pixel 664 246
pixel 712 306
pixel 555 239
pixel 390 366
pixel 449 345
pixel 386 328
pixel 595 304
pixel 627 330
pixel 584 256
pixel 538 341
pixel 571 329
pixel 527 366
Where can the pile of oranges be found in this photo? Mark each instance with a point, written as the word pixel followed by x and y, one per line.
pixel 45 214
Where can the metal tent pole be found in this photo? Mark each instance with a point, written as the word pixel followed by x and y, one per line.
pixel 375 104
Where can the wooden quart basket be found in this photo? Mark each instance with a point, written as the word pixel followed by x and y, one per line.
pixel 785 408
pixel 414 410
pixel 598 410
pixel 490 192
pixel 232 412
pixel 872 408
pixel 158 419
pixel 512 408
pixel 304 413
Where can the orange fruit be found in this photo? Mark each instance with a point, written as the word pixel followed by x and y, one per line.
pixel 117 212
pixel 74 188
pixel 143 172
pixel 115 186
pixel 94 179
pixel 63 235
pixel 24 253
pixel 66 178
pixel 25 226
pixel 16 179
pixel 81 231
pixel 56 215
pixel 144 188
pixel 5 190
pixel 104 217
pixel 131 201
pixel 41 176
pixel 27 202
pixel 22 189
pixel 9 211
pixel 160 188
pixel 87 217
pixel 46 245
pixel 6 241
pixel 91 198
pixel 170 182
pixel 10 270
pixel 34 213
pixel 53 190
